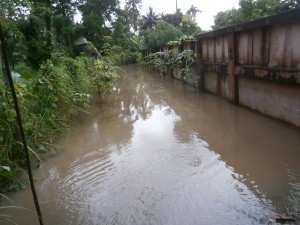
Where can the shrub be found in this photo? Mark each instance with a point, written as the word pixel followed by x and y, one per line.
pixel 48 101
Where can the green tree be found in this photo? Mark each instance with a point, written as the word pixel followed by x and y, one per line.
pixel 121 28
pixel 13 9
pixel 66 8
pixel 193 11
pixel 65 30
pixel 226 18
pixel 133 7
pixel 150 20
pixel 174 19
pixel 38 35
pixel 161 35
pixel 189 25
pixel 251 10
pixel 95 15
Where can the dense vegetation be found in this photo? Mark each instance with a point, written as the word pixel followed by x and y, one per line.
pixel 174 59
pixel 168 33
pixel 251 10
pixel 62 52
pixel 58 64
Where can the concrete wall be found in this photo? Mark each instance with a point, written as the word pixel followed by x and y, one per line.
pixel 280 101
pixel 255 64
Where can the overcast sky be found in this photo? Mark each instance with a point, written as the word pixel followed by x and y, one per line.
pixel 205 19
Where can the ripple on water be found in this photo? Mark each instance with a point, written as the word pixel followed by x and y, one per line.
pixel 114 190
pixel 157 153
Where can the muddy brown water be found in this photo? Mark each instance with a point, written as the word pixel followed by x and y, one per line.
pixel 158 152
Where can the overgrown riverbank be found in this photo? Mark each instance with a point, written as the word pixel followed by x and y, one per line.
pixel 50 101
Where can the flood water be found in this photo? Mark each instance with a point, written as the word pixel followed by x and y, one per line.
pixel 158 152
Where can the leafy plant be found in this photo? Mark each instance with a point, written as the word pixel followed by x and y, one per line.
pixel 163 33
pixel 187 38
pixel 173 43
pixel 157 62
pixel 48 101
pixel 103 75
pixel 187 57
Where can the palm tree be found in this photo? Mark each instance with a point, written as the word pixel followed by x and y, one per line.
pixel 133 8
pixel 193 11
pixel 150 19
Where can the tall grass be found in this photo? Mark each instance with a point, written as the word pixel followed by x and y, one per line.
pixel 49 99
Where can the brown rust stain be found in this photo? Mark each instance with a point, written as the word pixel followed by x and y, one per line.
pixel 288 77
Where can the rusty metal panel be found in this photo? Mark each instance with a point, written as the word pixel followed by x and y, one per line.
pixel 204 50
pixel 198 50
pixel 277 75
pixel 292 48
pixel 219 49
pixel 243 46
pixel 277 45
pixel 285 46
pixel 257 56
pixel 266 45
pixel 250 48
pixel 225 43
pixel 296 47
pixel 211 50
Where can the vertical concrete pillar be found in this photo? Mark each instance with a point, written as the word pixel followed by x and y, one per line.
pixel 232 77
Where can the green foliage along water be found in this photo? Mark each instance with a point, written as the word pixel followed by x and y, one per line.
pixel 184 60
pixel 49 100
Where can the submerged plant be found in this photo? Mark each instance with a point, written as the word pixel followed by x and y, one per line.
pixel 156 61
pixel 4 216
pixel 103 75
pixel 187 58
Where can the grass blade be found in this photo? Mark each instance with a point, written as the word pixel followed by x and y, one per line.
pixel 36 155
pixel 4 196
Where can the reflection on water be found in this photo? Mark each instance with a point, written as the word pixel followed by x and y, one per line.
pixel 157 152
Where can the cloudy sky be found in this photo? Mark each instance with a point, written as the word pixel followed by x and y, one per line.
pixel 209 8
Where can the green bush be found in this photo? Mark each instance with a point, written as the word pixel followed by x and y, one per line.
pixel 48 101
pixel 121 56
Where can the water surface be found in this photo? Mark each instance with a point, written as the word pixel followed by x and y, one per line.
pixel 156 151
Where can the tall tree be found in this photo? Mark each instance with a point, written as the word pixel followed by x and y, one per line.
pixel 133 7
pixel 13 9
pixel 251 10
pixel 226 18
pixel 95 15
pixel 105 9
pixel 162 34
pixel 66 8
pixel 150 20
pixel 189 25
pixel 37 31
pixel 63 16
pixel 193 11
pixel 121 28
pixel 173 18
